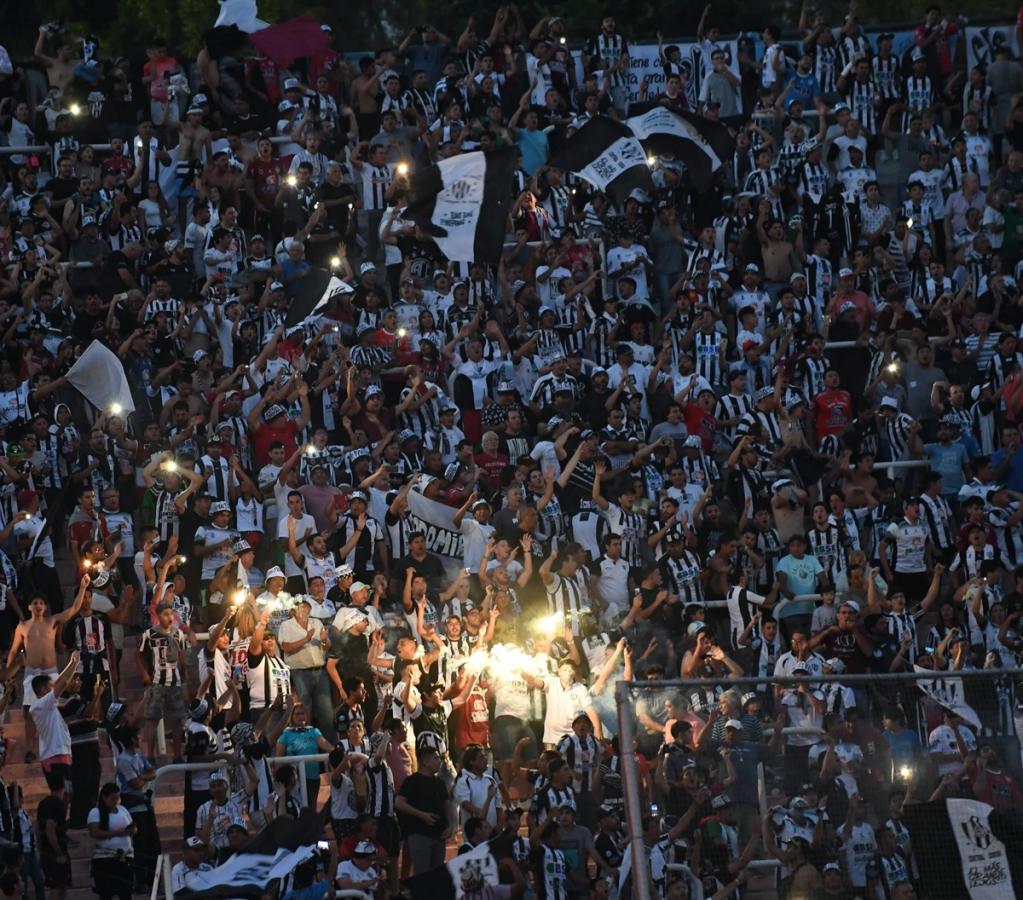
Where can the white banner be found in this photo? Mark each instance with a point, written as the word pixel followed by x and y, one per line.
pixel 982 856
pixel 437 522
pixel 664 121
pixel 457 207
pixel 981 43
pixel 644 63
pixel 472 871
pixel 619 157
pixel 99 375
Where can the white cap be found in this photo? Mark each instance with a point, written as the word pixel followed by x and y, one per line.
pixel 274 572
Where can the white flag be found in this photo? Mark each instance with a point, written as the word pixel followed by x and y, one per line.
pixel 99 376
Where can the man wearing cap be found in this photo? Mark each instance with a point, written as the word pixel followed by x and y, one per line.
pixel 359 539
pixel 193 864
pixel 847 292
pixel 213 542
pixel 220 812
pixel 269 423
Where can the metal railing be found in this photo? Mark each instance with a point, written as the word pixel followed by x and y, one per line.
pixel 298 761
pixel 625 696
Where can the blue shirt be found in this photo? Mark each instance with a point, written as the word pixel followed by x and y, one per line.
pixel 804 88
pixel 533 145
pixel 1014 474
pixel 800 578
pixel 948 462
pixel 302 741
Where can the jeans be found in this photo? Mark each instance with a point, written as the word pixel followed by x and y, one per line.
pixel 313 689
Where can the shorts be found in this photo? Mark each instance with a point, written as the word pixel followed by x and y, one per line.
pixel 28 695
pixel 388 834
pixel 165 702
pixel 506 732
pixel 55 874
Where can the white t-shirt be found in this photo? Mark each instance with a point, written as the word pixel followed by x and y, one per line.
pixel 113 846
pixel 859 852
pixel 474 541
pixel 349 870
pixel 563 705
pixel 302 526
pixel 943 740
pixel 620 255
pixel 54 737
pixel 208 536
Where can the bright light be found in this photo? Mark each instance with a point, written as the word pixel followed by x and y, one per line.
pixel 115 409
pixel 477 661
pixel 170 465
pixel 909 223
pixel 291 180
pixel 182 560
pixel 549 626
pixel 402 332
pixel 893 368
pixel 75 109
pixel 86 563
pixel 239 597
pixel 335 262
pixel 651 161
pixel 508 658
pixel 905 773
pixel 336 328
pixel 310 449
pixel 563 40
pixel 402 168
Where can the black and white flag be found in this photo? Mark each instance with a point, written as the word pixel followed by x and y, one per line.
pixel 311 294
pixel 609 156
pixel 703 146
pixel 272 854
pixel 468 873
pixel 965 848
pixel 463 202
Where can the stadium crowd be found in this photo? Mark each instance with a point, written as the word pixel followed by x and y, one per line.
pixel 655 430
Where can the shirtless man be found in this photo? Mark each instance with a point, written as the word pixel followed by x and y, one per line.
pixel 60 71
pixel 195 147
pixel 781 256
pixel 37 636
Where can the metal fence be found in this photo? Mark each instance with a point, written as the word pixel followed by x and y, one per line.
pixel 995 720
pixel 164 862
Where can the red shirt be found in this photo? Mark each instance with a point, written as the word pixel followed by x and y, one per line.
pixel 266 435
pixel 833 412
pixel 941 46
pixel 472 721
pixel 266 180
pixel 701 422
pixel 492 465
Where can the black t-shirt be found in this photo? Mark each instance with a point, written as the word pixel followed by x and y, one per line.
pixel 52 809
pixel 62 188
pixel 337 216
pixel 426 793
pixel 431 568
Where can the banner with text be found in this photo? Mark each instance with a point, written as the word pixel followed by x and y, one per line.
pixel 437 522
